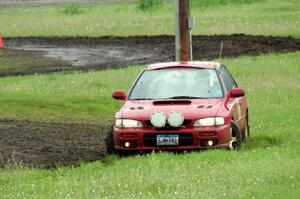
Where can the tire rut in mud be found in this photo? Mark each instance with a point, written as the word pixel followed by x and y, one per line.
pixel 50 145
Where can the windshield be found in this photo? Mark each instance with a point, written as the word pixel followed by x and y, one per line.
pixel 177 84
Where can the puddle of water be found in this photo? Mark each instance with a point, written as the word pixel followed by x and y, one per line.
pixel 81 56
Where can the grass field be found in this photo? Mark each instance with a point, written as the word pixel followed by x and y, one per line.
pixel 266 167
pixel 259 17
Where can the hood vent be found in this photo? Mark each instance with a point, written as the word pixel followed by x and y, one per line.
pixel 172 102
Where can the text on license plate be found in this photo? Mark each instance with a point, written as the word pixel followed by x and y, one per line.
pixel 164 140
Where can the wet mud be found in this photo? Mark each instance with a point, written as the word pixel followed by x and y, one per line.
pixel 49 145
pixel 84 53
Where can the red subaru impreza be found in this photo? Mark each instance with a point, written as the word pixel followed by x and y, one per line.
pixel 180 105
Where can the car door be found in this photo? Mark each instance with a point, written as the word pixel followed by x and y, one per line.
pixel 240 107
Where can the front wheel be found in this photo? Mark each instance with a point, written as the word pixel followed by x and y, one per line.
pixel 236 138
pixel 110 145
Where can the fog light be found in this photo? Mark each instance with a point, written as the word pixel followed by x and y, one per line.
pixel 127 144
pixel 210 142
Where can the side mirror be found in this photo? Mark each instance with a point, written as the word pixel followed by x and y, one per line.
pixel 236 92
pixel 119 95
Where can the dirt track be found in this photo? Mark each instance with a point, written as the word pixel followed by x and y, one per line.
pixel 105 52
pixel 48 145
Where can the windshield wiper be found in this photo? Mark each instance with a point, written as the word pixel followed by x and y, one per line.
pixel 185 97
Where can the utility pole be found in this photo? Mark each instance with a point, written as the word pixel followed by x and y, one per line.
pixel 183 25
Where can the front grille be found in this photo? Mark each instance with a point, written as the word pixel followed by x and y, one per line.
pixel 185 139
pixel 185 123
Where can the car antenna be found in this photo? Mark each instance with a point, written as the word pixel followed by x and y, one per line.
pixel 220 54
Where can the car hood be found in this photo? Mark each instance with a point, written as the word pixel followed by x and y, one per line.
pixel 191 109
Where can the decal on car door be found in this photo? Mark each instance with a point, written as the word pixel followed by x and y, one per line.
pixel 238 108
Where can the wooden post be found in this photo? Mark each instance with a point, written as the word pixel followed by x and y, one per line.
pixel 183 33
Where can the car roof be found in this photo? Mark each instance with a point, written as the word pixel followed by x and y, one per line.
pixel 188 64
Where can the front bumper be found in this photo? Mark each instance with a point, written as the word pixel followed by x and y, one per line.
pixel 189 138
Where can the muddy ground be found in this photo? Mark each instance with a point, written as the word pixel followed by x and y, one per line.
pixel 52 144
pixel 81 53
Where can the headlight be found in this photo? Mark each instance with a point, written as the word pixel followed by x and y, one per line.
pixel 127 123
pixel 211 121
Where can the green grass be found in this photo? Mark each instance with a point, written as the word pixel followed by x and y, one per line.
pixel 266 167
pixel 208 3
pixel 75 96
pixel 256 17
pixel 257 173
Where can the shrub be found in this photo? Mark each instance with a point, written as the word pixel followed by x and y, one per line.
pixel 146 5
pixel 72 9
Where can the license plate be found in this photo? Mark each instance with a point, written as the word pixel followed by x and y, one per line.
pixel 165 140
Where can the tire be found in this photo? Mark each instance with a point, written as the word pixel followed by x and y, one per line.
pixel 246 133
pixel 110 145
pixel 235 143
